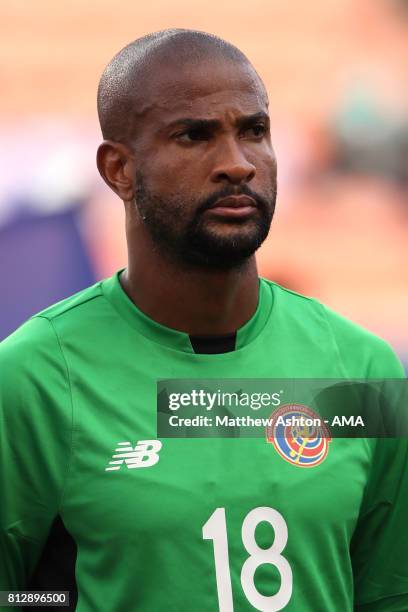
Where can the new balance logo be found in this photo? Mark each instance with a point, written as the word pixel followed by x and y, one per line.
pixel 145 454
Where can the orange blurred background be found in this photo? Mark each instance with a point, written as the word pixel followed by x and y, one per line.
pixel 336 73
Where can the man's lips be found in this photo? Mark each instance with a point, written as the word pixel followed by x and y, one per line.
pixel 238 201
pixel 233 206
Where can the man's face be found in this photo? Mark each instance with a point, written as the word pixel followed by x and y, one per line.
pixel 203 136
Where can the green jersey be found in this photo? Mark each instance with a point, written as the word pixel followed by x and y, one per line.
pixel 200 524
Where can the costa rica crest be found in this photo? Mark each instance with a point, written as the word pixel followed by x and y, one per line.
pixel 299 435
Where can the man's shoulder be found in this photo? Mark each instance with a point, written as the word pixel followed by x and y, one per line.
pixel 348 338
pixel 312 310
pixel 292 299
pixel 37 338
pixel 73 303
pixel 28 358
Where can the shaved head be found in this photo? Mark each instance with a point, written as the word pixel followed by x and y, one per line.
pixel 122 88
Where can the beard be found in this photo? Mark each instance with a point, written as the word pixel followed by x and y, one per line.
pixel 180 229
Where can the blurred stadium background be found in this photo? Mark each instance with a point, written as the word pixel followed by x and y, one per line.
pixel 337 76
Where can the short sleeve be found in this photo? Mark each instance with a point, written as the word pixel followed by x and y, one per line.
pixel 35 435
pixel 379 547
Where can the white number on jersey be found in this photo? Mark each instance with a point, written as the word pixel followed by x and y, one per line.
pixel 215 529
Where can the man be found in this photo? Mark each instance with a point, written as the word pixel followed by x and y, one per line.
pixel 205 523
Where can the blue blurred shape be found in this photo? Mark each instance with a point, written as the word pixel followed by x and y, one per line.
pixel 43 259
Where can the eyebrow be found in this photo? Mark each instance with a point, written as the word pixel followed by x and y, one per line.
pixel 213 124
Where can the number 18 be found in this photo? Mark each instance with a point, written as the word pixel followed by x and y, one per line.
pixel 215 529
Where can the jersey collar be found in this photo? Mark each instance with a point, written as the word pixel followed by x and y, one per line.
pixel 173 338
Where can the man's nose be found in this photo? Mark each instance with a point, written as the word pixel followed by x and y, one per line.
pixel 232 165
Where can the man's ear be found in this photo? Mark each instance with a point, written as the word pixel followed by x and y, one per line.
pixel 116 165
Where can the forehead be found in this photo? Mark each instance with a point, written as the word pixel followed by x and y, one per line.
pixel 207 89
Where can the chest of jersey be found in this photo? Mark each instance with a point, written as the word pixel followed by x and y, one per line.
pixel 188 515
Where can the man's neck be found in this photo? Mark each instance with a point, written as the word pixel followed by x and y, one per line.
pixel 195 301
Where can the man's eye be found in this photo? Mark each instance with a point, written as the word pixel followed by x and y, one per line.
pixel 192 135
pixel 257 130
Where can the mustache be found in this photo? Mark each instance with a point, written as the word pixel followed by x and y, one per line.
pixel 261 202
